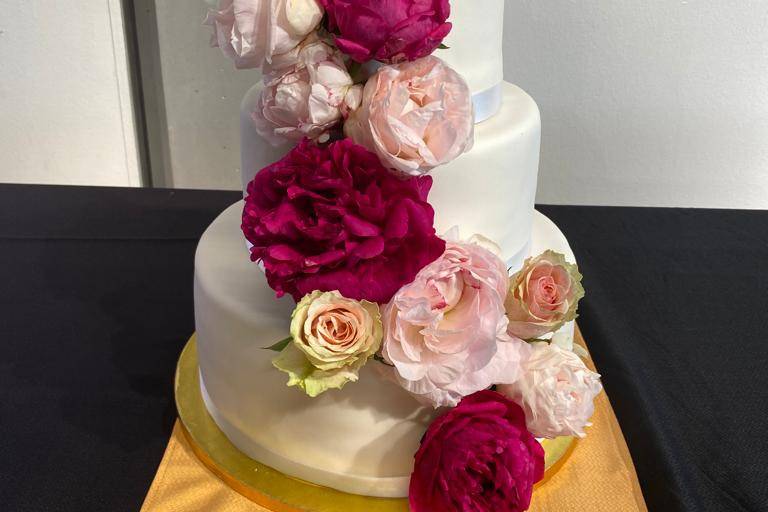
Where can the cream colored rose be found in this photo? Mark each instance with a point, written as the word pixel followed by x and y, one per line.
pixel 332 338
pixel 252 32
pixel 543 295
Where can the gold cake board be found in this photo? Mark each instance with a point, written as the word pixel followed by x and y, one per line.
pixel 269 488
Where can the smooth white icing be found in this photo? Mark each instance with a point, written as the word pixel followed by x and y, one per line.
pixel 475 42
pixel 360 439
pixel 489 190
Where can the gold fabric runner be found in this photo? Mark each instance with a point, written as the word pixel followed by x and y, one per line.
pixel 598 476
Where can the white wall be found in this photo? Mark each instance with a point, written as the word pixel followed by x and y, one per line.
pixel 200 91
pixel 646 102
pixel 65 100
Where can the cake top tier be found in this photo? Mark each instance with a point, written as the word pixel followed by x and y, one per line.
pixel 475 42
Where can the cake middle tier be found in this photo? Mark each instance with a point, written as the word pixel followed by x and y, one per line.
pixel 489 190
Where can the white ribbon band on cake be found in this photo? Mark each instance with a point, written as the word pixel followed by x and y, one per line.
pixel 487 103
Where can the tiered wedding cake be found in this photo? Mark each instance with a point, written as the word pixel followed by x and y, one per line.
pixel 362 437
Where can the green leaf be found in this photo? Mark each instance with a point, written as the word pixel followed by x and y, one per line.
pixel 443 47
pixel 280 345
pixel 312 380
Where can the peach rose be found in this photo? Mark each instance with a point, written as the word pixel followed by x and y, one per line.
pixel 306 97
pixel 251 32
pixel 445 333
pixel 415 116
pixel 556 391
pixel 543 296
pixel 332 338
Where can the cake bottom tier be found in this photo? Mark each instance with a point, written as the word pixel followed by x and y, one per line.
pixel 360 439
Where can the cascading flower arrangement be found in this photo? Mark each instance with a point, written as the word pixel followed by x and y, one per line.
pixel 342 223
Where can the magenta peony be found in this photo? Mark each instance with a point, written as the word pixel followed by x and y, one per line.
pixel 392 31
pixel 445 332
pixel 333 218
pixel 477 457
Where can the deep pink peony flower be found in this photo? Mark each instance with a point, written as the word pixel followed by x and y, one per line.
pixel 392 31
pixel 479 457
pixel 333 218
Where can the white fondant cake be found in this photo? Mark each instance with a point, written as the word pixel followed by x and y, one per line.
pixel 360 439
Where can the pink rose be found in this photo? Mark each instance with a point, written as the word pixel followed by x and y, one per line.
pixel 445 333
pixel 543 295
pixel 557 392
pixel 251 32
pixel 332 218
pixel 308 97
pixel 477 457
pixel 393 31
pixel 415 116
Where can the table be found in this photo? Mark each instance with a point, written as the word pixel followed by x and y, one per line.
pixel 96 304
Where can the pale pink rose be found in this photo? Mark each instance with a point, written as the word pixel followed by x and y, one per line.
pixel 556 391
pixel 445 333
pixel 543 295
pixel 306 97
pixel 251 32
pixel 415 116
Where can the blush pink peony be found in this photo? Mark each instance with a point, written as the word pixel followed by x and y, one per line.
pixel 391 31
pixel 306 98
pixel 557 392
pixel 333 218
pixel 252 32
pixel 543 295
pixel 445 333
pixel 415 116
pixel 477 457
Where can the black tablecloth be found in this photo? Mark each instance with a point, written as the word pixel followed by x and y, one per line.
pixel 96 303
